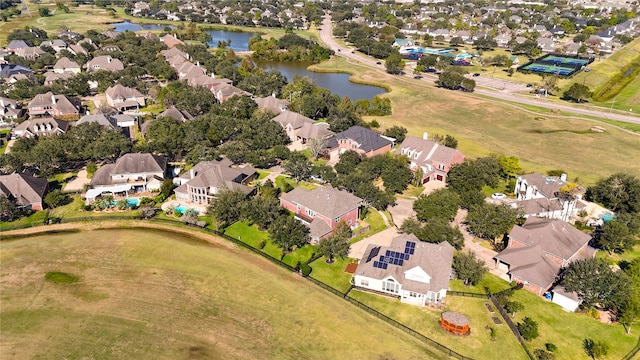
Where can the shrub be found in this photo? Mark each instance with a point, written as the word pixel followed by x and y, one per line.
pixel 61 277
pixel 542 354
pixel 551 347
pixel 261 244
pixel 295 264
pixel 91 169
pixel 595 349
pixel 305 269
pixel 146 201
pixel 528 328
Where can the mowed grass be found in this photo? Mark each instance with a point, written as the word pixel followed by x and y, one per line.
pixel 162 295
pixel 486 126
pixel 477 345
pixel 568 330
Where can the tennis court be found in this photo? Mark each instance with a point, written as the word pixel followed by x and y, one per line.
pixel 557 64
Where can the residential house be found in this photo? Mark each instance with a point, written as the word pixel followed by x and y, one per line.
pixel 416 272
pixel 25 191
pixel 131 172
pixel 140 8
pixel 49 104
pixel 171 41
pixel 124 98
pixel 57 44
pixel 292 122
pixel 9 70
pixel 51 77
pixel 226 91
pixel 546 44
pixel 101 119
pixel 433 160
pixel 77 49
pixel 9 110
pixel 15 45
pixel 29 53
pixel 272 103
pixel 104 62
pixel 537 250
pixel 361 140
pixel 39 127
pixel 207 178
pixel 544 196
pixel 322 209
pixel 180 115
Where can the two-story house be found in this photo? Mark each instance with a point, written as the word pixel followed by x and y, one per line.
pixel 416 272
pixel 322 209
pixel 25 191
pixel 39 127
pixel 207 178
pixel 364 141
pixel 104 62
pixel 432 159
pixel 547 196
pixel 537 250
pixel 124 98
pixel 49 104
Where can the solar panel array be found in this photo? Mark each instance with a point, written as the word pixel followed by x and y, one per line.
pixel 394 257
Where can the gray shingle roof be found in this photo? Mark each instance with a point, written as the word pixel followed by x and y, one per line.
pixel 433 259
pixel 99 118
pixel 428 150
pixel 23 189
pixel 292 118
pixel 369 140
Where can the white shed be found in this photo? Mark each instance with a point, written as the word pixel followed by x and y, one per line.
pixel 568 300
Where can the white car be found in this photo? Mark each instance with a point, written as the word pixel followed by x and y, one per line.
pixel 498 196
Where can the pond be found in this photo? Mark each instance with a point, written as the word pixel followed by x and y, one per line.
pixel 127 26
pixel 239 40
pixel 337 83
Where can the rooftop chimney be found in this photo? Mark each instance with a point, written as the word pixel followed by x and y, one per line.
pixel 425 136
pixel 109 59
pixel 53 99
pixel 563 177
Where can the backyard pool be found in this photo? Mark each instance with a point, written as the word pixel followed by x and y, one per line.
pixel 183 209
pixel 607 216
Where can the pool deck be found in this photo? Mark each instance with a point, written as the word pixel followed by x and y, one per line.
pixel 171 203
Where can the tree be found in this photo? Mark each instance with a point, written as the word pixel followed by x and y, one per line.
pixel 614 237
pixel 337 245
pixel 489 221
pixel 397 132
pixel 44 12
pixel 513 307
pixel 347 162
pixel 595 349
pixel 298 166
pixel 394 64
pixel 55 198
pixel 317 145
pixel 469 268
pixel 596 283
pixel 165 136
pixel 450 79
pixel 147 211
pixel 226 207
pixel 287 232
pixel 442 203
pixel 435 231
pixel 577 93
pixel 450 141
pixel 528 328
pixel 618 192
pixel 7 208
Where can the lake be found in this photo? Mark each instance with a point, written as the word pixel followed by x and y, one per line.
pixel 127 26
pixel 336 83
pixel 239 40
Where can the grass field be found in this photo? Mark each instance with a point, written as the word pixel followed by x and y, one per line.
pixel 162 295
pixel 484 127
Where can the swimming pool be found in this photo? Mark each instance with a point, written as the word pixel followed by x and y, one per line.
pixel 607 216
pixel 183 209
pixel 131 202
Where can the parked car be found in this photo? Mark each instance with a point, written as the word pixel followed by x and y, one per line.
pixel 378 63
pixel 529 85
pixel 476 74
pixel 498 196
pixel 418 77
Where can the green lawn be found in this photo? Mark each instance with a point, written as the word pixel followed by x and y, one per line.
pixel 281 180
pixel 376 224
pixel 483 127
pixel 332 274
pixel 494 283
pixel 568 330
pixel 251 235
pixel 413 191
pixel 614 258
pixel 301 255
pixel 164 295
pixel 477 345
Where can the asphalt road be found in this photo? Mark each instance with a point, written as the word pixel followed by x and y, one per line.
pixel 501 90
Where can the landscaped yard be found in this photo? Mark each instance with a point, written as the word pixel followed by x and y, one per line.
pixel 618 258
pixel 477 345
pixel 281 180
pixel 494 283
pixel 251 235
pixel 165 295
pixel 375 222
pixel 332 274
pixel 300 256
pixel 568 330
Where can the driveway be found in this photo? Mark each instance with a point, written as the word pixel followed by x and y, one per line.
pixel 77 184
pixel 401 211
pixel 383 238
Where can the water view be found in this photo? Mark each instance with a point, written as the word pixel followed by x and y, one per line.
pixel 336 83
pixel 239 40
pixel 127 26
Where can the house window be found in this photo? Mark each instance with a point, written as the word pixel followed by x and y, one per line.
pixel 390 286
pixel 441 166
pixel 416 155
pixel 311 212
pixel 337 219
pixel 412 294
pixel 364 282
pixel 298 207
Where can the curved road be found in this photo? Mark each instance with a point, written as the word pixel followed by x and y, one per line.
pixel 327 38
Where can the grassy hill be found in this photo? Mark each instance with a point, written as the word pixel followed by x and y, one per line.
pixel 160 295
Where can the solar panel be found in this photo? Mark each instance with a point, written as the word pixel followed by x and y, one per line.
pixel 376 264
pixel 384 266
pixel 411 244
pixel 411 251
pixel 388 253
pixel 395 261
pixel 400 262
pixel 406 256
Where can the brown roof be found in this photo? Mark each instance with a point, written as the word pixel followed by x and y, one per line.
pixel 428 151
pixel 324 200
pixel 65 63
pixel 433 259
pixel 272 103
pixel 104 62
pixel 547 185
pixel 292 118
pixel 140 163
pixel 122 92
pixel 53 123
pixel 23 189
pixel 60 102
pixel 313 131
pixel 173 52
pixel 218 174
pixel 538 205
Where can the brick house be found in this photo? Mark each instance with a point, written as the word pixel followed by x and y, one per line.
pixel 433 159
pixel 25 191
pixel 49 104
pixel 322 209
pixel 207 178
pixel 361 140
pixel 40 127
pixel 123 98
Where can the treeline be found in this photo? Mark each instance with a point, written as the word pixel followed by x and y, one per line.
pixel 288 48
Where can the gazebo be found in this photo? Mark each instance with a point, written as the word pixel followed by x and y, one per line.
pixel 455 323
